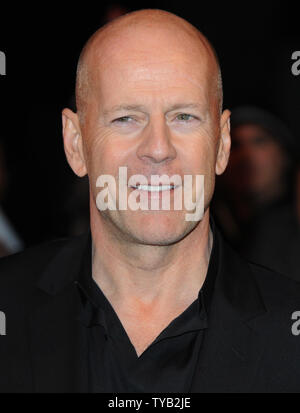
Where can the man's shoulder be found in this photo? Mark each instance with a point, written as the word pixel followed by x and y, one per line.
pixel 20 271
pixel 279 329
pixel 277 290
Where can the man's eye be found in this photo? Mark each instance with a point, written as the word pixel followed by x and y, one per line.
pixel 123 119
pixel 184 117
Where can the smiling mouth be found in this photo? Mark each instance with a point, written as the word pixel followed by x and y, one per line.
pixel 154 188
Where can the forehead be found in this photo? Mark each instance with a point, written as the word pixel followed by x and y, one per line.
pixel 150 65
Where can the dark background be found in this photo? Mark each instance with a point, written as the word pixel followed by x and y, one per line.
pixel 254 40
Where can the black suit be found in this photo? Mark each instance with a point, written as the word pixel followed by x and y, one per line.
pixel 248 347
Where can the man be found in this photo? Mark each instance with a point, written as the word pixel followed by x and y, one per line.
pixel 261 156
pixel 149 301
pixel 256 207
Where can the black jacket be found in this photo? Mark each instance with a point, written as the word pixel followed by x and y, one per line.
pixel 248 347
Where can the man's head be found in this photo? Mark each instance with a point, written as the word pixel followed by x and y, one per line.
pixel 149 97
pixel 259 158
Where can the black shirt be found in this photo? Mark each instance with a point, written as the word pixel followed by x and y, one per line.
pixel 167 365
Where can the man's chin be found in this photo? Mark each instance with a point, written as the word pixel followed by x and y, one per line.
pixel 159 228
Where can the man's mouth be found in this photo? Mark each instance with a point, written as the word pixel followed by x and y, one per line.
pixel 154 188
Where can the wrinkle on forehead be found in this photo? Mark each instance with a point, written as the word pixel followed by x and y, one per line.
pixel 147 34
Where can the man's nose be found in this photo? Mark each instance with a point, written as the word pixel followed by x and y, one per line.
pixel 156 145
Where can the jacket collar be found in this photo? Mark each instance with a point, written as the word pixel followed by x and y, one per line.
pixel 237 283
pixel 65 266
pixel 233 347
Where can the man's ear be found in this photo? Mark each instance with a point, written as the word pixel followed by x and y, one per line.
pixel 73 142
pixel 224 144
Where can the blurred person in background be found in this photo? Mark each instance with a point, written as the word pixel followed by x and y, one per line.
pixel 9 240
pixel 114 11
pixel 256 203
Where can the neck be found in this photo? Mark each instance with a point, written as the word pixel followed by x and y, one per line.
pixel 151 275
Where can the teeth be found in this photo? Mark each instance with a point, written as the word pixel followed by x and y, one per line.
pixel 152 188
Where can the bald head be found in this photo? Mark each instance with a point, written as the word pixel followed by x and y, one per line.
pixel 148 97
pixel 150 30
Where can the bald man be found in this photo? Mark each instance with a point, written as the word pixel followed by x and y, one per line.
pixel 151 299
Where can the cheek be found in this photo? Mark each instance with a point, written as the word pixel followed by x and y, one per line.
pixel 270 159
pixel 201 161
pixel 201 156
pixel 105 153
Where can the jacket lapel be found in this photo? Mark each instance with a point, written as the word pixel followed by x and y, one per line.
pixel 233 344
pixel 58 347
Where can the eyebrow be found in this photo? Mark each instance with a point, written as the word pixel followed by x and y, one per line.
pixel 185 106
pixel 119 108
pixel 142 108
